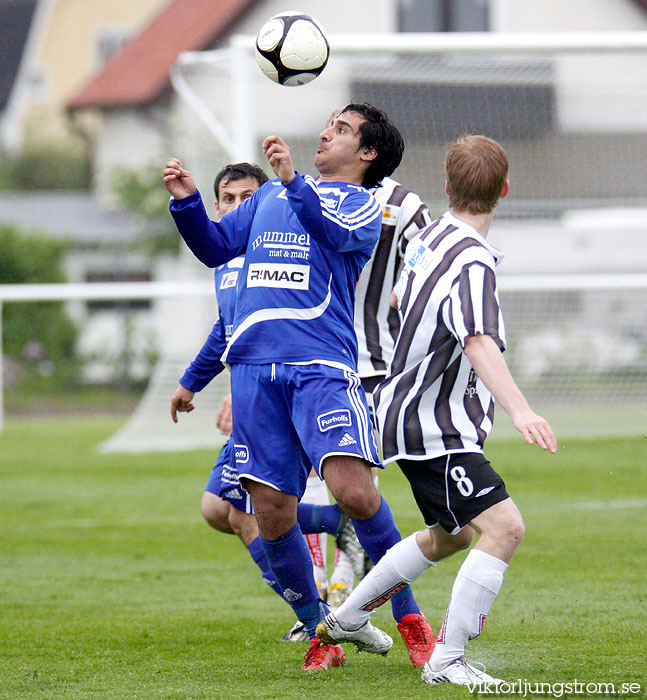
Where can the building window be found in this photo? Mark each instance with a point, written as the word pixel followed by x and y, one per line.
pixel 443 15
pixel 118 304
pixel 109 42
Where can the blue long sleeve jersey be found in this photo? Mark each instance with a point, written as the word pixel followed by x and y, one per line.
pixel 207 363
pixel 305 244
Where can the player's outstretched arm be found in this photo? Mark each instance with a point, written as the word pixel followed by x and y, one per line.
pixel 488 363
pixel 181 402
pixel 279 157
pixel 178 181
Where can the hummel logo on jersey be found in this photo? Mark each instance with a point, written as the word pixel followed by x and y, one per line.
pixel 482 492
pixel 347 440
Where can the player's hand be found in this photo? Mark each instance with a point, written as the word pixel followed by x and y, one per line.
pixel 279 157
pixel 224 420
pixel 534 428
pixel 181 402
pixel 178 181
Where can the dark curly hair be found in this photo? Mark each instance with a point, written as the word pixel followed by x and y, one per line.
pixel 238 171
pixel 380 133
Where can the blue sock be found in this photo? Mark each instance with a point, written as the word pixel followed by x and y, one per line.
pixel 403 603
pixel 376 535
pixel 313 519
pixel 257 553
pixel 290 561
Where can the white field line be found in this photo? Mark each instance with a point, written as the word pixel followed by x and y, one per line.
pixel 139 521
pixel 588 506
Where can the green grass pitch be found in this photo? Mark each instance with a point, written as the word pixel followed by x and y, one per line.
pixel 112 587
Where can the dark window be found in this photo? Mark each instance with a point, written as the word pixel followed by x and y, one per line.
pixel 121 276
pixel 443 15
pixel 109 42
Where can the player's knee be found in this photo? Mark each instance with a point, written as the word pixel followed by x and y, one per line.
pixel 359 503
pixel 243 525
pixel 519 531
pixel 274 523
pixel 276 511
pixel 215 512
pixel 351 483
pixel 437 544
pixel 514 531
pixel 214 521
pixel 463 539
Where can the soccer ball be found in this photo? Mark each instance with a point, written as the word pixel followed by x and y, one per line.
pixel 291 48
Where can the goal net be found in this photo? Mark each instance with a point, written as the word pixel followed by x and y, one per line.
pixel 571 111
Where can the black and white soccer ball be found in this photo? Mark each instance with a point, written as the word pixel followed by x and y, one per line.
pixel 291 48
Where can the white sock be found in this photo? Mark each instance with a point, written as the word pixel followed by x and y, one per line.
pixel 321 579
pixel 317 493
pixel 477 583
pixel 401 565
pixel 343 571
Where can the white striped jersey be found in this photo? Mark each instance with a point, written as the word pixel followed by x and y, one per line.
pixel 376 323
pixel 432 402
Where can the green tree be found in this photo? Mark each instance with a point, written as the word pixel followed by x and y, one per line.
pixel 142 194
pixel 45 167
pixel 39 337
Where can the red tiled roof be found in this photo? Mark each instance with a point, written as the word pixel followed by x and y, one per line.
pixel 140 71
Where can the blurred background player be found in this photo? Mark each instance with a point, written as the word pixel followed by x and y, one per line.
pixel 447 370
pixel 225 505
pixel 293 352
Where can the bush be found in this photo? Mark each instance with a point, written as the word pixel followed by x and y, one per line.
pixel 38 337
pixel 141 193
pixel 46 167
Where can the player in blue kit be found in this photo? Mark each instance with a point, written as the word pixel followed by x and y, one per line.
pixel 225 505
pixel 297 399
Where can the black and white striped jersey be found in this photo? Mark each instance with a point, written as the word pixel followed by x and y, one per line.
pixel 431 402
pixel 376 323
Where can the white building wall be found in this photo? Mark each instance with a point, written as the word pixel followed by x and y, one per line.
pixel 130 138
pixel 566 15
pixel 336 16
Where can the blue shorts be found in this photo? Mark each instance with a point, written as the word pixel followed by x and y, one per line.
pixel 289 417
pixel 223 480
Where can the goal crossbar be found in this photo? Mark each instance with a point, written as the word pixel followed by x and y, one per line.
pixel 467 42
